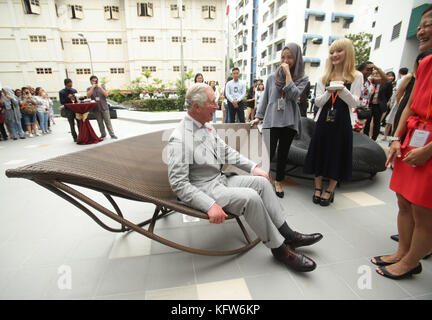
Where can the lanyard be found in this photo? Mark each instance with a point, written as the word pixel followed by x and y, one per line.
pixel 429 112
pixel 334 97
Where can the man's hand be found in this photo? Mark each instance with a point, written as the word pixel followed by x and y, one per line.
pixel 216 214
pixel 235 103
pixel 257 171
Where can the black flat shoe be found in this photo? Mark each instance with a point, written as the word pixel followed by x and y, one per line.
pixel 301 240
pixel 316 199
pixel 389 275
pixel 395 237
pixel 326 202
pixel 381 263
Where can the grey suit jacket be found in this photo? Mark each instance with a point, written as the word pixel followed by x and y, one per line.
pixel 195 159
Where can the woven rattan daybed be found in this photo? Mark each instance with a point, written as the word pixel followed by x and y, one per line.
pixel 132 169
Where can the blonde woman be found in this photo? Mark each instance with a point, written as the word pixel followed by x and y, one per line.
pixel 330 149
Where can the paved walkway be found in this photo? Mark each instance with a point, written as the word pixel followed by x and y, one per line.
pixel 51 250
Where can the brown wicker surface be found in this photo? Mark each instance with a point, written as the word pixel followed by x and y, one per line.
pixel 132 168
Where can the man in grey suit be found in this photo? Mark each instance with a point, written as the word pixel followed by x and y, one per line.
pixel 196 155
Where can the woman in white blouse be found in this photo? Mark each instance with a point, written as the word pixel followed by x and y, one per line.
pixel 330 150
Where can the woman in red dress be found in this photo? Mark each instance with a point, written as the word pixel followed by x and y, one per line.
pixel 412 174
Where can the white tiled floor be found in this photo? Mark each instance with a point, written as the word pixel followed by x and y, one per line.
pixel 42 237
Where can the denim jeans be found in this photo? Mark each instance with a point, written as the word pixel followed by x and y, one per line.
pixel 29 118
pixel 16 128
pixel 43 120
pixel 227 114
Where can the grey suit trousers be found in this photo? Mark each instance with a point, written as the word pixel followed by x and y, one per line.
pixel 253 197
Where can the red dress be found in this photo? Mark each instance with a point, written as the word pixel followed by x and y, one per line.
pixel 414 183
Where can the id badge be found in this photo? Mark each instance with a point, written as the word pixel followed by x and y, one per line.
pixel 331 115
pixel 281 104
pixel 97 99
pixel 419 138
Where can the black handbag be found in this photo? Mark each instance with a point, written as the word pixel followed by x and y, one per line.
pixel 363 113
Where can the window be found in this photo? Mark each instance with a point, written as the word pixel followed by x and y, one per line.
pixel 377 42
pixel 208 40
pixel 151 68
pixel 31 6
pixel 264 54
pixel 75 11
pixel 177 39
pixel 263 72
pixel 112 12
pixel 396 31
pixel 349 1
pixel 265 16
pixel 209 69
pixel 279 46
pixel 44 70
pixel 281 24
pixel 373 24
pixel 77 41
pixel 37 38
pixel 376 9
pixel 346 23
pixel 315 64
pixel 264 35
pixel 177 68
pixel 208 12
pixel 114 41
pixel 147 39
pixel 116 70
pixel 175 11
pixel 145 9
pixel 61 42
pixel 83 71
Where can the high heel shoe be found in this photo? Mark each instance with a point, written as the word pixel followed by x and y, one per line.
pixel 387 274
pixel 326 202
pixel 316 199
pixel 279 194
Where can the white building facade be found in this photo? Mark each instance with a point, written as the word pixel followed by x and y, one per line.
pixel 313 24
pixel 45 41
pixel 395 31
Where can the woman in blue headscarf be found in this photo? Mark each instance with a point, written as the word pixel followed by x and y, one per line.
pixel 12 113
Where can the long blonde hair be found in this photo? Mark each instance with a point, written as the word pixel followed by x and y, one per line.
pixel 349 71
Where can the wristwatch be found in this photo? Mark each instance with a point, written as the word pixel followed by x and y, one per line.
pixel 391 139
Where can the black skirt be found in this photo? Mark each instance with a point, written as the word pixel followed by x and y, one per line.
pixel 330 150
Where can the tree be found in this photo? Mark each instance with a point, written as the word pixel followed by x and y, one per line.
pixel 362 46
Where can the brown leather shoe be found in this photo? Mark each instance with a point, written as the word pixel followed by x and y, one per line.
pixel 296 261
pixel 301 240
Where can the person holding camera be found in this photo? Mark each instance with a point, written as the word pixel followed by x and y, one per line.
pixel 330 150
pixel 101 112
pixel 29 111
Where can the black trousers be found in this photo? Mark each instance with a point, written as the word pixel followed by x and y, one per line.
pixel 376 116
pixel 71 119
pixel 3 131
pixel 239 111
pixel 282 139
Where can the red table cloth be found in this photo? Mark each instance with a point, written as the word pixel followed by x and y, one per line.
pixel 86 133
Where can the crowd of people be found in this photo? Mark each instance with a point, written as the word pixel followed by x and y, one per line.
pixel 347 99
pixel 25 112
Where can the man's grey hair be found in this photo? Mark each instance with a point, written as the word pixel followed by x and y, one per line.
pixel 197 93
